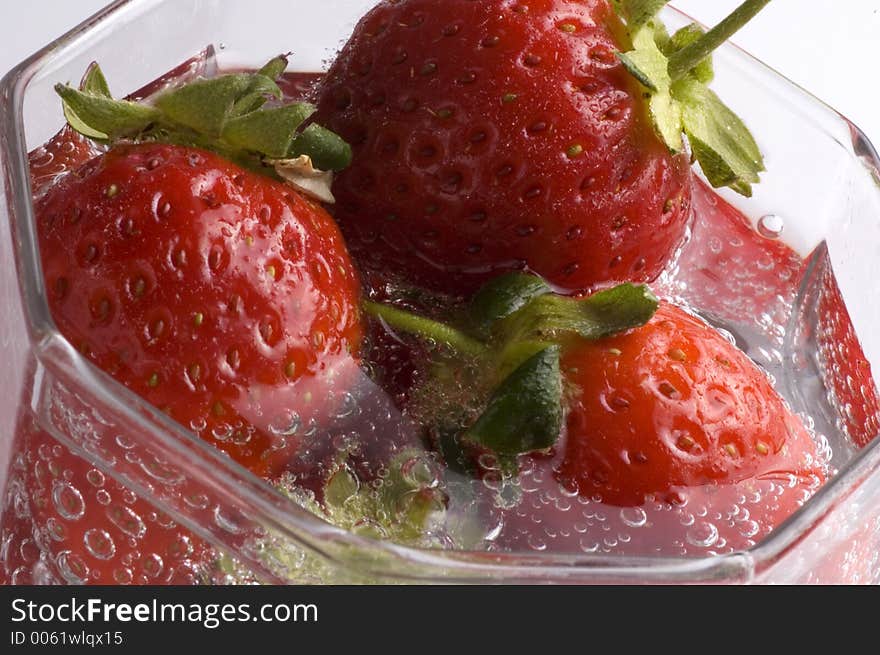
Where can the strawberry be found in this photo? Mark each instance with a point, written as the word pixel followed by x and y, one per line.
pixel 671 406
pixel 615 402
pixel 221 296
pixel 497 135
pixel 201 282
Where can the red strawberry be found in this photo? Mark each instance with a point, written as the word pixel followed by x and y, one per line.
pixel 64 522
pixel 221 296
pixel 670 419
pixel 618 405
pixel 673 405
pixel 494 135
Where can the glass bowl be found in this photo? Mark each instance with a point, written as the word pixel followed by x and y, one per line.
pixel 823 181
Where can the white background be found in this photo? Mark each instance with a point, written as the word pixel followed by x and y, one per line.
pixel 829 47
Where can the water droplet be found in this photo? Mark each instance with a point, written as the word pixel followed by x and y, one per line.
pixel 771 226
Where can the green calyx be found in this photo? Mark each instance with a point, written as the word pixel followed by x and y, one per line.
pixel 514 332
pixel 676 71
pixel 236 115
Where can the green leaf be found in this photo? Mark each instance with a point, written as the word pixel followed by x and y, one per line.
pixel 650 67
pixel 94 83
pixel 261 87
pixel 99 117
pixel 267 131
pixel 328 150
pixel 205 105
pixel 704 71
pixel 501 297
pixel 637 13
pixel 274 68
pixel 524 413
pixel 726 150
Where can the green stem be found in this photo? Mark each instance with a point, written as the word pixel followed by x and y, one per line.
pixel 426 328
pixel 685 59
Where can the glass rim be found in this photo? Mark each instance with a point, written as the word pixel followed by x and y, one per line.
pixel 289 519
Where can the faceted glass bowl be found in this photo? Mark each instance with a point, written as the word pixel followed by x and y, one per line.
pixel 823 180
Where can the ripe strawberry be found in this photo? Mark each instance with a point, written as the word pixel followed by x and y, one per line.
pixel 671 406
pixel 498 135
pixel 675 444
pixel 491 135
pixel 221 296
pixel 605 406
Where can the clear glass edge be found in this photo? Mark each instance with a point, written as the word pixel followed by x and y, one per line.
pixel 304 528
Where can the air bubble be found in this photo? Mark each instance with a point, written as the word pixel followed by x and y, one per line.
pixel 95 478
pixel 72 567
pixel 228 523
pixel 56 529
pixel 634 517
pixel 99 543
pixel 122 576
pixel 418 472
pixel 703 534
pixel 68 500
pixel 127 520
pixel 153 565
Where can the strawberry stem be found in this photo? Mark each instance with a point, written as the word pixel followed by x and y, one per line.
pixel 426 328
pixel 687 58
